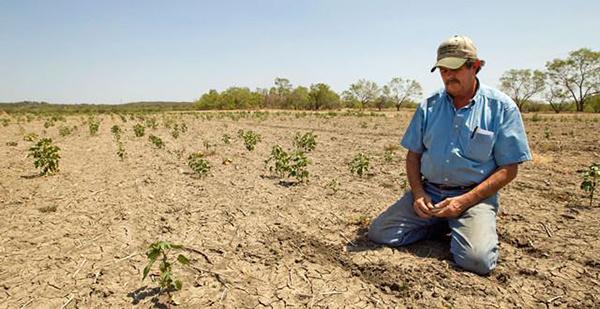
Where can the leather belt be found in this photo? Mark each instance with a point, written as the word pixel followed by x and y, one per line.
pixel 451 188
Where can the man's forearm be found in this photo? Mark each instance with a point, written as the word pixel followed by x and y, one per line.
pixel 413 172
pixel 500 178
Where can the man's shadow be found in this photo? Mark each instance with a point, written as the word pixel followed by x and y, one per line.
pixel 435 245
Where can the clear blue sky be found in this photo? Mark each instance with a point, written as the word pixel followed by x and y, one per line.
pixel 108 51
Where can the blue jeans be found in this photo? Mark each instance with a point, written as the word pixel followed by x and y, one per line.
pixel 474 242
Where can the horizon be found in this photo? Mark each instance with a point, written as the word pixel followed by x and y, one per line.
pixel 72 52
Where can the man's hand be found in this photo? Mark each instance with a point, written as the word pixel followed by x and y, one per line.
pixel 451 207
pixel 423 205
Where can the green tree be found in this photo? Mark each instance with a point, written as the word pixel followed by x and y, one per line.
pixel 209 100
pixel 364 91
pixel 322 97
pixel 403 90
pixel 299 98
pixel 578 75
pixel 557 98
pixel 522 85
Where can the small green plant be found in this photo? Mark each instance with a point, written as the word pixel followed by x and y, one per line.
pixel 198 164
pixel 50 208
pixel 175 132
pixel 547 133
pixel 12 144
pixel 281 161
pixel 120 150
pixel 151 123
pixel 226 139
pixel 388 156
pixel 64 130
pixel 46 156
pixel 93 126
pixel 116 131
pixel 48 123
pixel 156 141
pixel 251 138
pixel 286 164
pixel 591 177
pixel 334 185
pixel 359 165
pixel 30 137
pixel 306 141
pixel 139 129
pixel 166 281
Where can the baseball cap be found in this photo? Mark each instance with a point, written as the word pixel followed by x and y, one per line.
pixel 454 52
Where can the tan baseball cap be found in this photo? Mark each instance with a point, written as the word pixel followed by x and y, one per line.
pixel 454 52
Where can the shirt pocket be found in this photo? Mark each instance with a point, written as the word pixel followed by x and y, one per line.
pixel 480 145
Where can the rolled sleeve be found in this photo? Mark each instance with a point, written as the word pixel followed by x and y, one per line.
pixel 511 143
pixel 413 137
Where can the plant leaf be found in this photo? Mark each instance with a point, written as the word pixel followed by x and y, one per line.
pixel 146 271
pixel 183 260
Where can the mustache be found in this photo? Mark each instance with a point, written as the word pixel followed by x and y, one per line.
pixel 452 80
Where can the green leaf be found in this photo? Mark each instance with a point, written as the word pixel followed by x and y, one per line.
pixel 146 271
pixel 183 260
pixel 178 285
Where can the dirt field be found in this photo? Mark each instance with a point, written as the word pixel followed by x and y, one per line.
pixel 79 238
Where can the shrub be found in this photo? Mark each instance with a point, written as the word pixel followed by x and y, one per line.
pixel 359 165
pixel 45 155
pixel 306 142
pixel 198 164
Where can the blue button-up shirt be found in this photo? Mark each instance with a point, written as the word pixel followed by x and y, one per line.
pixel 465 146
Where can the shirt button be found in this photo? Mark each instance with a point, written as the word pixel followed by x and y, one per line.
pixel 451 143
pixel 445 179
pixel 447 161
pixel 456 126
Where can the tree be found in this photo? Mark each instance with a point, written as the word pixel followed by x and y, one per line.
pixel 384 99
pixel 364 91
pixel 209 100
pixel 578 75
pixel 403 90
pixel 279 94
pixel 557 98
pixel 521 85
pixel 321 96
pixel 299 98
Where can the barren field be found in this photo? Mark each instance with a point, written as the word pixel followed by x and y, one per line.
pixel 78 239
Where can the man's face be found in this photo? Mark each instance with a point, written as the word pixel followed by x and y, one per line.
pixel 459 82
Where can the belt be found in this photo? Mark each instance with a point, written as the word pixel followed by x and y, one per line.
pixel 451 188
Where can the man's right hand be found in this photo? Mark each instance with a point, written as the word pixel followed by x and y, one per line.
pixel 422 205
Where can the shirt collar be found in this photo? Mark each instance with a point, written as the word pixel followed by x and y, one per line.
pixel 473 99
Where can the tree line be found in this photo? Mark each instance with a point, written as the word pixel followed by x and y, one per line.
pixel 283 95
pixel 573 81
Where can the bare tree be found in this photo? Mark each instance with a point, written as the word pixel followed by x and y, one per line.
pixel 521 85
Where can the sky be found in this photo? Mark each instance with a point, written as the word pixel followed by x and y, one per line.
pixel 114 51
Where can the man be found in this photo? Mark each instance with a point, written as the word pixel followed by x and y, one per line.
pixel 464 144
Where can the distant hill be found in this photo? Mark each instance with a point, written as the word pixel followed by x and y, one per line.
pixel 145 106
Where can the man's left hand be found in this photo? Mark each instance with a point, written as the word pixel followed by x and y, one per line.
pixel 451 207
